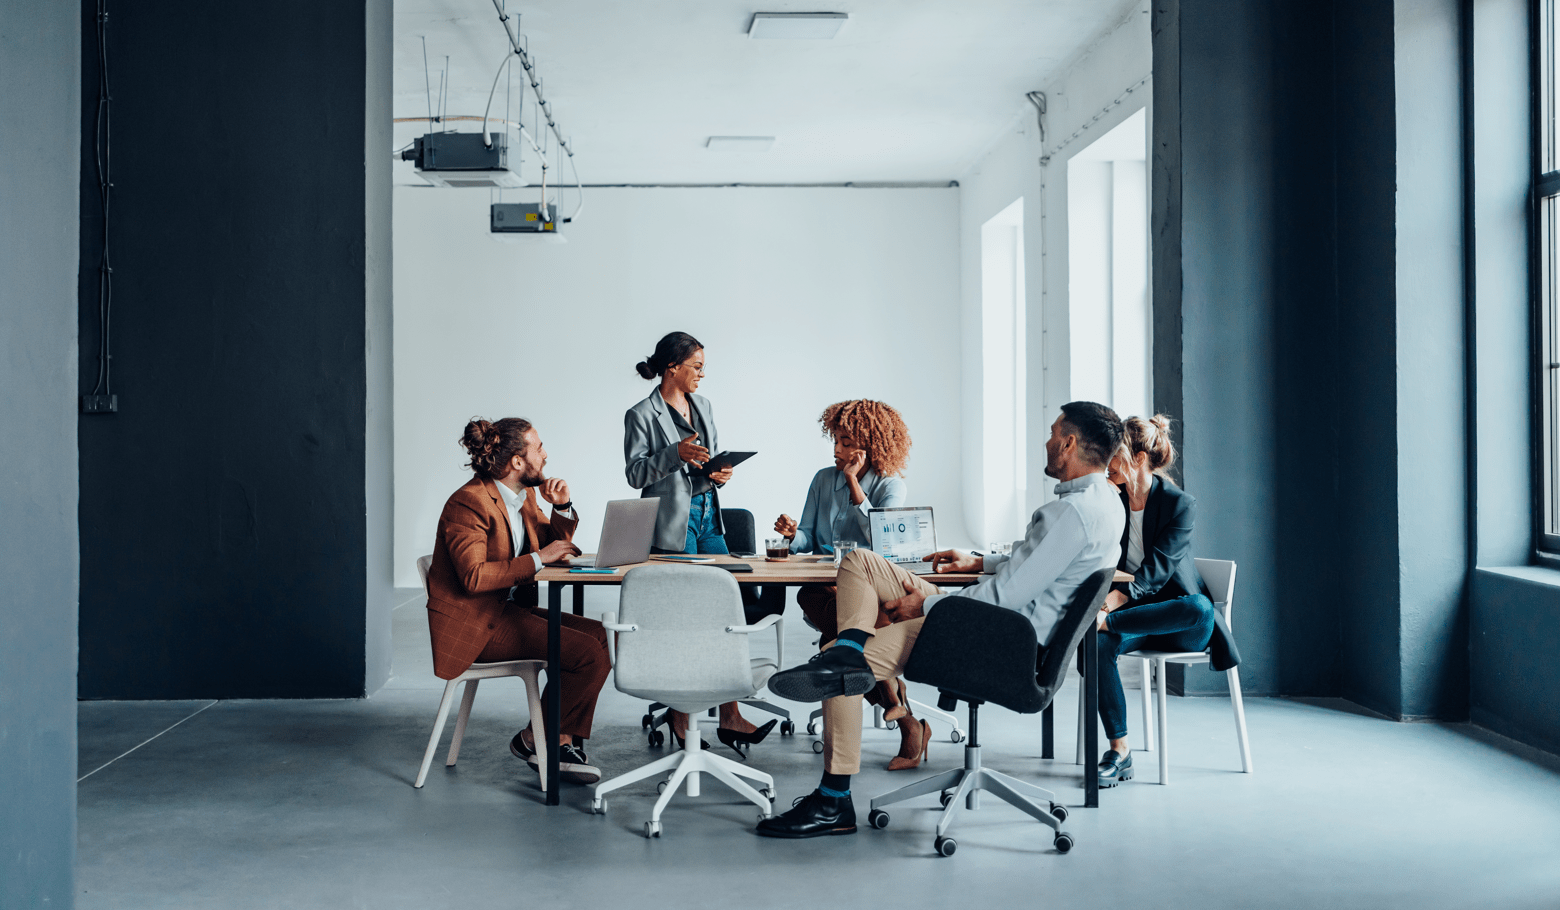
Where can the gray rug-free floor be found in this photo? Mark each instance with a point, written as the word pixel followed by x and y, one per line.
pixel 277 804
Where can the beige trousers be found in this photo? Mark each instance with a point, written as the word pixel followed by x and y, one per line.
pixel 866 581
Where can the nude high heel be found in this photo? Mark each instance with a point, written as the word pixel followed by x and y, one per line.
pixel 901 762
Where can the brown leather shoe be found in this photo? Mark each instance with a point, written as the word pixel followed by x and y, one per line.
pixel 911 753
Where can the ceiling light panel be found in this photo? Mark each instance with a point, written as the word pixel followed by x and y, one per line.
pixel 811 26
pixel 740 143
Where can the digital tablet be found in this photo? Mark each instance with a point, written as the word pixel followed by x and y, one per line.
pixel 726 459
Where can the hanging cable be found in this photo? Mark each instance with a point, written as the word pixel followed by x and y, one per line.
pixel 543 107
pixel 427 84
pixel 103 152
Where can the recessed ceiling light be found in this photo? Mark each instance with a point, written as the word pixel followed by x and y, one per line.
pixel 740 143
pixel 817 26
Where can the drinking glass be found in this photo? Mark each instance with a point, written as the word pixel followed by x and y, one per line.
pixel 776 549
pixel 841 548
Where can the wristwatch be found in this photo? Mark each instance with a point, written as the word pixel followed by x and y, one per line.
pixel 565 507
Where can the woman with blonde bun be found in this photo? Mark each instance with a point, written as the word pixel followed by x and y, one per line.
pixel 1166 606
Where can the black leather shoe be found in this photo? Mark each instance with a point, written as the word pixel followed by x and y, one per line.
pixel 1115 768
pixel 841 670
pixel 814 815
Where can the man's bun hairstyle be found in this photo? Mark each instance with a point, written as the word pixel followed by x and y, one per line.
pixel 1097 427
pixel 492 445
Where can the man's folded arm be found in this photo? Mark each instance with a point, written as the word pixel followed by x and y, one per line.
pixel 1055 540
pixel 467 540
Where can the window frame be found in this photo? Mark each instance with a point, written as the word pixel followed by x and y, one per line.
pixel 1544 280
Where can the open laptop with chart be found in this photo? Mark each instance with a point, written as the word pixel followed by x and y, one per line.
pixel 904 536
pixel 626 533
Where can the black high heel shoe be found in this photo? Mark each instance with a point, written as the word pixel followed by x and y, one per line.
pixel 741 742
pixel 681 743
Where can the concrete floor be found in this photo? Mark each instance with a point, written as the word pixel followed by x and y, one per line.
pixel 275 804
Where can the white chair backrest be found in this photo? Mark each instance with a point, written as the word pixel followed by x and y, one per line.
pixel 1220 576
pixel 423 564
pixel 682 613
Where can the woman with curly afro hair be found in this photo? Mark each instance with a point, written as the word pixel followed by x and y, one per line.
pixel 871 447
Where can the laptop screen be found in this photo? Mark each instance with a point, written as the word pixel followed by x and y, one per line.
pixel 903 534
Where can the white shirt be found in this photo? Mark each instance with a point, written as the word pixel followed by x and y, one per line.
pixel 1067 541
pixel 1134 541
pixel 512 503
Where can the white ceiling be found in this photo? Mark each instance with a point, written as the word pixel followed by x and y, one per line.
pixel 910 90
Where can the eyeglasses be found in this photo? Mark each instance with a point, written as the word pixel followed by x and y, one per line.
pixel 697 369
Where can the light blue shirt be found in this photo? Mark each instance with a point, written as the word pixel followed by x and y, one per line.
pixel 829 515
pixel 1067 541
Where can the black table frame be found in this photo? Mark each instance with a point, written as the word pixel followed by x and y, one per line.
pixel 552 706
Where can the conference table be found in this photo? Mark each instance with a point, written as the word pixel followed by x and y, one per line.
pixel 796 570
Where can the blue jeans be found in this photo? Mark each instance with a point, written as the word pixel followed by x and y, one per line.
pixel 1183 624
pixel 702 536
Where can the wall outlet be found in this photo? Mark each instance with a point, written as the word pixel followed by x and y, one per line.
pixel 99 404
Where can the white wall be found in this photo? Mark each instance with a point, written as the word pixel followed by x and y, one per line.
pixel 1089 99
pixel 802 297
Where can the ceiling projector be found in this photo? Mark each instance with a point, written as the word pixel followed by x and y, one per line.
pixel 523 218
pixel 463 160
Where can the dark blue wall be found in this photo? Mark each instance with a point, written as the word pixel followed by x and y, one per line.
pixel 223 509
pixel 1293 307
pixel 40 65
pixel 1515 635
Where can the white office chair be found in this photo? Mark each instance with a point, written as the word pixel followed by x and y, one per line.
pixel 683 642
pixel 1220 577
pixel 527 670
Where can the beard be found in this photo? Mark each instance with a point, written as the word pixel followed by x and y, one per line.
pixel 532 478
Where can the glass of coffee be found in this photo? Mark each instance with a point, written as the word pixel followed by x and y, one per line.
pixel 841 548
pixel 777 549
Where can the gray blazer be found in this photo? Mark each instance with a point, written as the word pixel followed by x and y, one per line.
pixel 652 467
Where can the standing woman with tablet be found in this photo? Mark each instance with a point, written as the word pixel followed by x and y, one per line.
pixel 667 442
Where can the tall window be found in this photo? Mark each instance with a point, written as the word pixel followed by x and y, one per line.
pixel 1547 270
pixel 1003 401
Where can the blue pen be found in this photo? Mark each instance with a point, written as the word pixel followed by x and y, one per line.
pixel 595 571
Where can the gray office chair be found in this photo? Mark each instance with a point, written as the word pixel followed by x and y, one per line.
pixel 741 540
pixel 682 642
pixel 976 652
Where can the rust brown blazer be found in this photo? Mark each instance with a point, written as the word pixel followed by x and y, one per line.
pixel 473 570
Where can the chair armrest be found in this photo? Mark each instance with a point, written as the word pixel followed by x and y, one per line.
pixel 610 623
pixel 759 626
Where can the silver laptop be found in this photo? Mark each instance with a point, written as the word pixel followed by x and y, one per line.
pixel 905 536
pixel 626 533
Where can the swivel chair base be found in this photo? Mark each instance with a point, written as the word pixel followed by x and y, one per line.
pixel 961 789
pixel 687 764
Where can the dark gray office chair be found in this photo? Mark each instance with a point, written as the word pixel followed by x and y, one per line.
pixel 975 652
pixel 741 540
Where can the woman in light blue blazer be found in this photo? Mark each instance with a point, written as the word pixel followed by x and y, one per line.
pixel 871 447
pixel 667 442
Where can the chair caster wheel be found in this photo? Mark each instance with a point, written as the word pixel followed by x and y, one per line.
pixel 956 736
pixel 877 818
pixel 657 739
pixel 817 747
pixel 1059 811
pixel 1063 843
pixel 598 806
pixel 945 846
pixel 768 793
pixel 646 721
pixel 812 728
pixel 652 829
pixel 660 786
pixel 891 725
pixel 787 728
pixel 945 798
pixel 765 815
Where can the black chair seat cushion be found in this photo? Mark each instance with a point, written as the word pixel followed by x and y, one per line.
pixel 978 652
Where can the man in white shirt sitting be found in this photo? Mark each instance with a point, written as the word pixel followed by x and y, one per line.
pixel 1067 541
